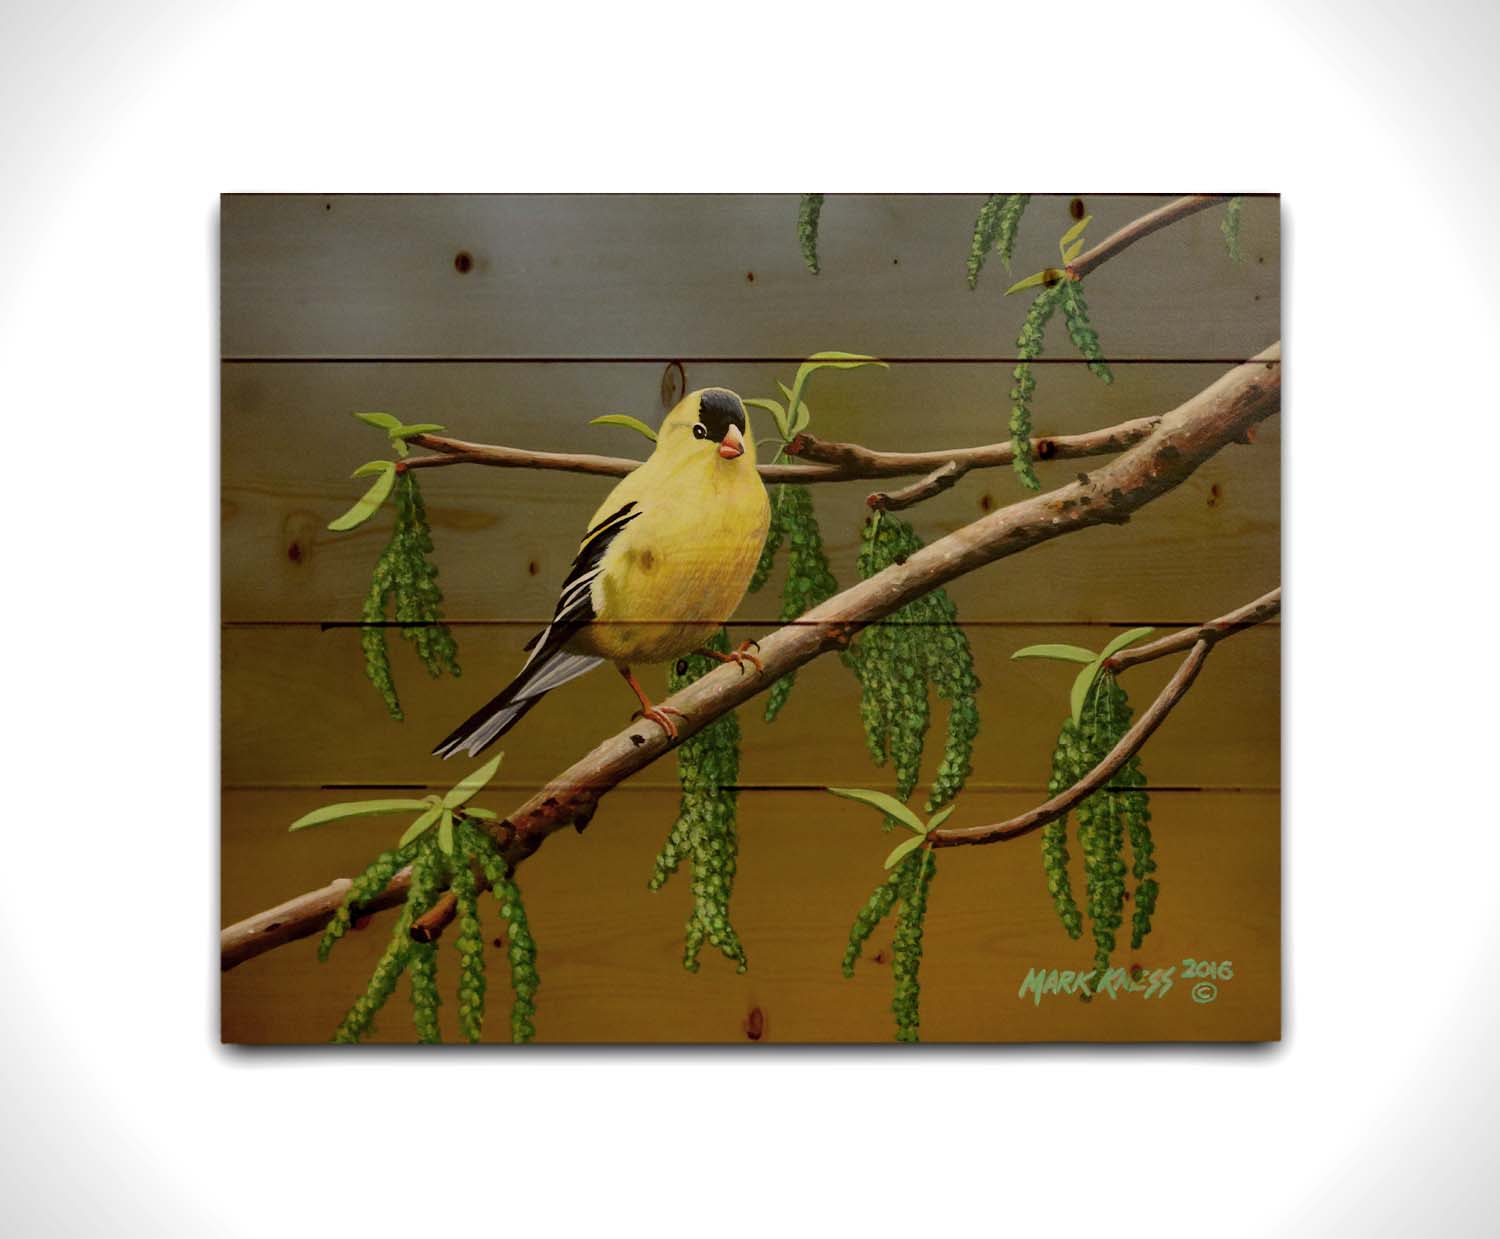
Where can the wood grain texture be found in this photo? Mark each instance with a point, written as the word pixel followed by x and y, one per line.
pixel 617 287
pixel 676 276
pixel 298 711
pixel 505 537
pixel 610 950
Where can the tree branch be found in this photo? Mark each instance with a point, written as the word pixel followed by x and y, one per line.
pixel 1180 442
pixel 833 462
pixel 1151 222
pixel 1247 616
pixel 1200 641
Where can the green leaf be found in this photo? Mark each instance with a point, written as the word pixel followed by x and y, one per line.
pixel 941 816
pixel 418 826
pixel 416 428
pixel 1071 653
pixel 624 419
pixel 776 411
pixel 887 804
pixel 1073 234
pixel 471 785
pixel 384 420
pixel 357 808
pixel 832 359
pixel 370 502
pixel 1048 275
pixel 445 832
pixel 1081 686
pixel 372 466
pixel 802 416
pixel 902 850
pixel 1073 251
pixel 484 815
pixel 1124 639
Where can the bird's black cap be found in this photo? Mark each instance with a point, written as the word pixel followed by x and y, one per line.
pixel 718 410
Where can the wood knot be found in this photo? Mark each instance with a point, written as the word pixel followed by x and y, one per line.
pixel 463 262
pixel 755 1024
pixel 1045 449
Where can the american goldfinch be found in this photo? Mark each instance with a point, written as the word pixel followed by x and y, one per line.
pixel 665 561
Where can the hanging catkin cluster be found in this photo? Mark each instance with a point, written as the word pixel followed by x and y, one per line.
pixel 995 231
pixel 1028 349
pixel 708 767
pixel 1081 331
pixel 908 885
pixel 808 211
pixel 405 581
pixel 809 580
pixel 1118 811
pixel 898 657
pixel 1230 227
pixel 433 871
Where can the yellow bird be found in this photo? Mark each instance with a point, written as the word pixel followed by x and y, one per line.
pixel 665 561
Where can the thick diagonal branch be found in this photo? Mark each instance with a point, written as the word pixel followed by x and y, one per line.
pixel 1181 441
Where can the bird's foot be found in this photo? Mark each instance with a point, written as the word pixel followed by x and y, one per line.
pixel 660 716
pixel 739 656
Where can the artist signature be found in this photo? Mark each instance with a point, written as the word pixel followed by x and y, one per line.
pixel 1149 983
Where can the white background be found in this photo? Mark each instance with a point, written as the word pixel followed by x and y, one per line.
pixel 120 123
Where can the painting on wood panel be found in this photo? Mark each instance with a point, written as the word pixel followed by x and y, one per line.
pixel 751 618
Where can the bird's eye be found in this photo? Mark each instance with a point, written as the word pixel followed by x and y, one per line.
pixel 700 431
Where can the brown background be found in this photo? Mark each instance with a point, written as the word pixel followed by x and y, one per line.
pixel 571 307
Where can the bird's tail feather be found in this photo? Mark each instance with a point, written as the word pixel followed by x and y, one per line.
pixel 537 678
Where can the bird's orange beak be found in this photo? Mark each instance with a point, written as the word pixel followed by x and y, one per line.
pixel 733 443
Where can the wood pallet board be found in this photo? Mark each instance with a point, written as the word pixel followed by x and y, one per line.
pixel 610 951
pixel 298 711
pixel 683 276
pixel 504 537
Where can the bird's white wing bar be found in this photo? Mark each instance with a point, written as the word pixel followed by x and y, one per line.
pixel 549 665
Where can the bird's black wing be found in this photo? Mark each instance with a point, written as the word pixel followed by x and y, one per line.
pixel 549 665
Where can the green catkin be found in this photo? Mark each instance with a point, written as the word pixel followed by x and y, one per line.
pixel 706 830
pixel 1101 828
pixel 1010 223
pixel 1080 330
pixel 470 944
pixel 422 970
pixel 986 230
pixel 808 211
pixel 895 661
pixel 1065 772
pixel 361 1016
pixel 1105 819
pixel 1028 349
pixel 362 890
pixel 404 581
pixel 809 580
pixel 524 979
pixel 917 872
pixel 1230 227
pixel 877 907
pixel 427 877
pixel 995 231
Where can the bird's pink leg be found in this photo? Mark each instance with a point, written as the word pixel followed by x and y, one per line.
pixel 657 714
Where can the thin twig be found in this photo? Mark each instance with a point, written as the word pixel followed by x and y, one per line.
pixel 1199 641
pixel 940 479
pixel 1182 440
pixel 1152 221
pixel 1247 616
pixel 832 462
